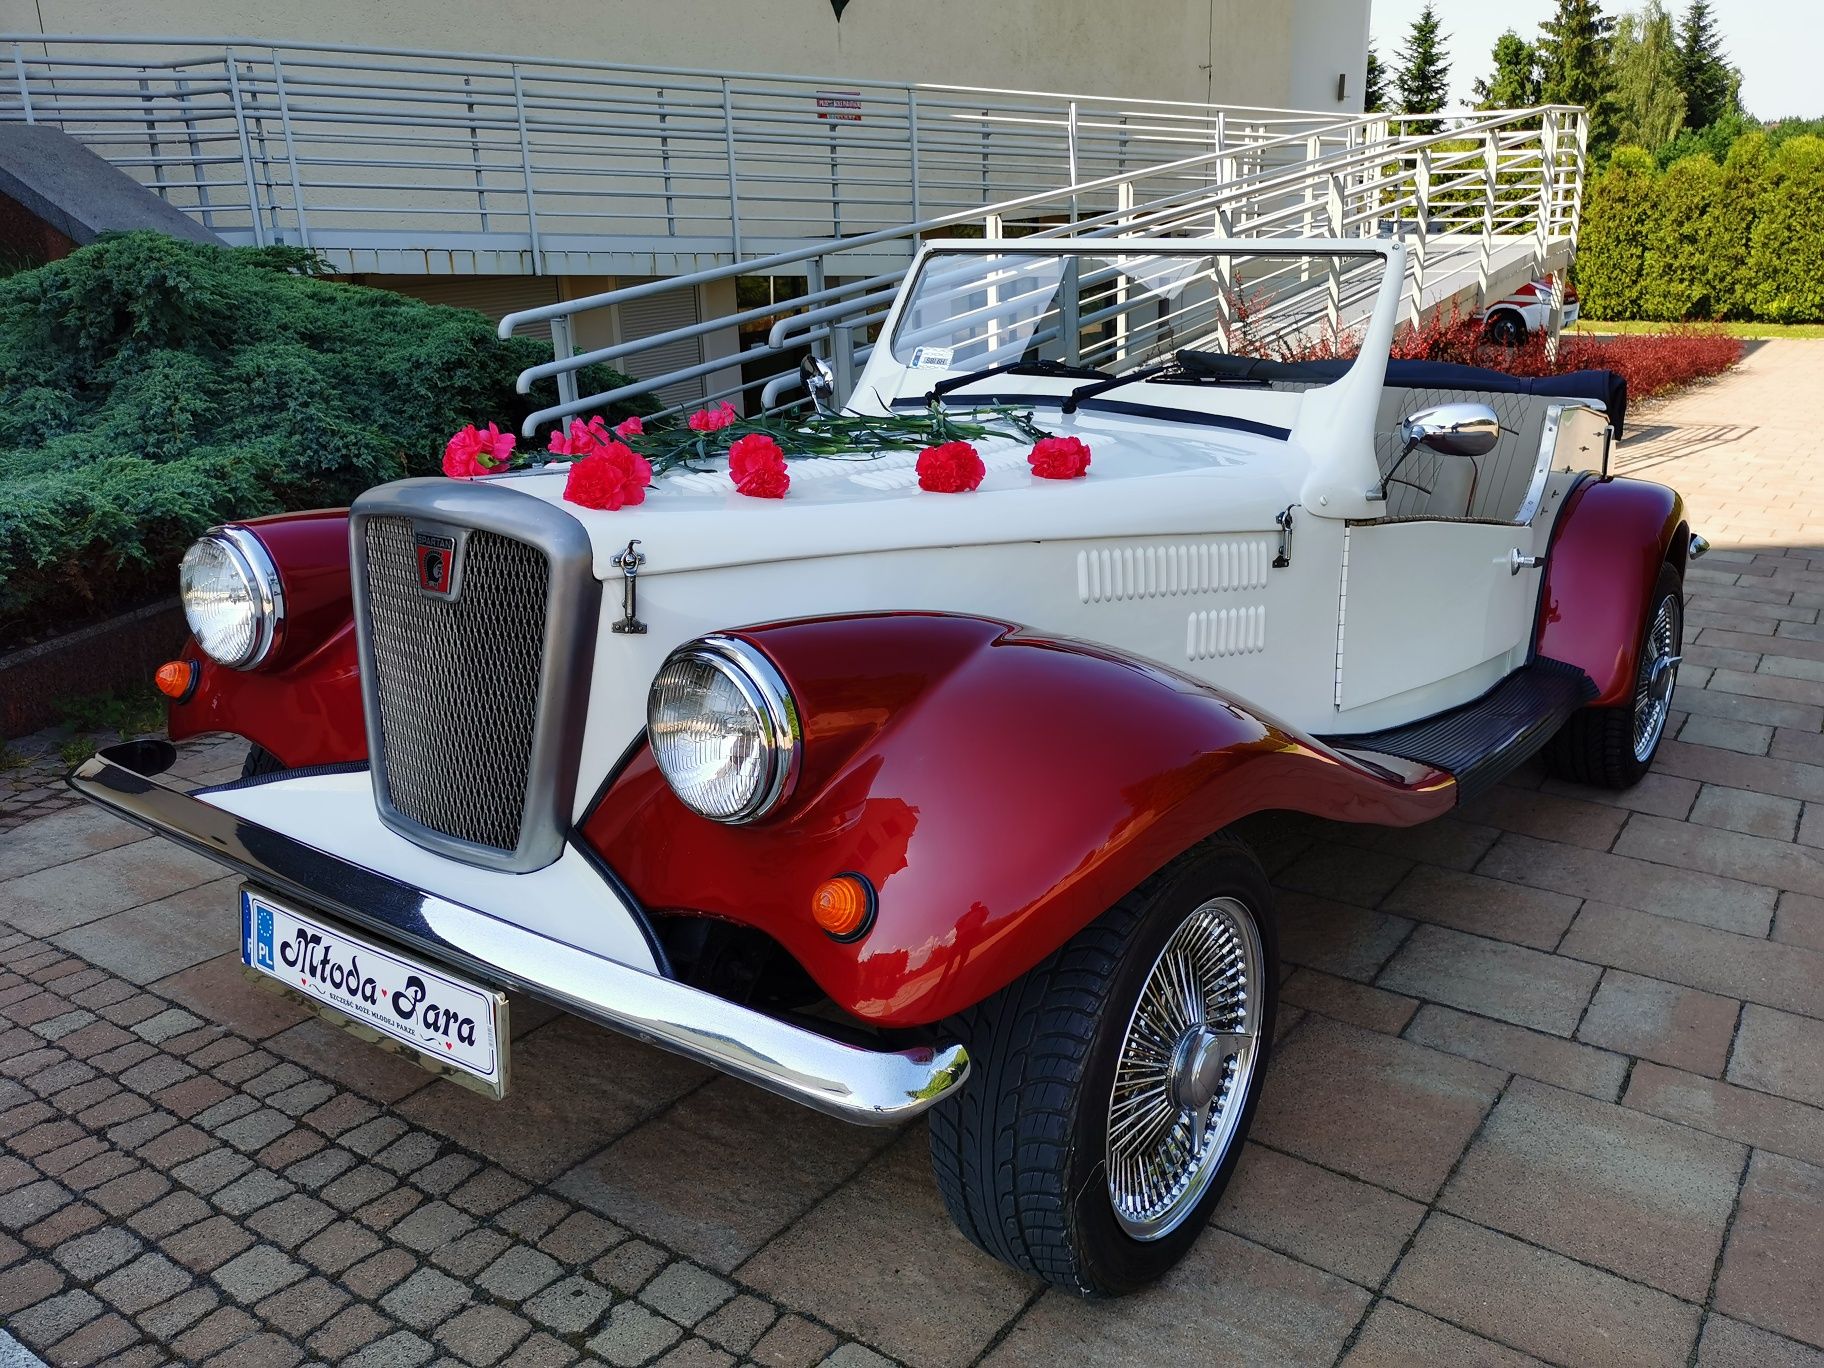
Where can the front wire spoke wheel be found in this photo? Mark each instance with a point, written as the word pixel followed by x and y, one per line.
pixel 1184 1069
pixel 1112 1083
pixel 1657 677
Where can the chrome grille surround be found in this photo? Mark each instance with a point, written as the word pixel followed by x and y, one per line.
pixel 474 701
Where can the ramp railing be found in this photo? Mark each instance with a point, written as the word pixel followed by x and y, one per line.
pixel 1484 204
pixel 463 161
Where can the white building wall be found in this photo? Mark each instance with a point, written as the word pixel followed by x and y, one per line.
pixel 1269 53
pixel 1331 41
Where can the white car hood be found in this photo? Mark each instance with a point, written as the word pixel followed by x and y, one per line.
pixel 1146 479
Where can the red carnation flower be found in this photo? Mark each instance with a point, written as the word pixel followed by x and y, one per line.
pixel 476 451
pixel 712 419
pixel 757 466
pixel 1058 458
pixel 580 438
pixel 953 468
pixel 765 482
pixel 609 477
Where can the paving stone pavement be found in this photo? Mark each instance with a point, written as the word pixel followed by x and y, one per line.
pixel 1549 1086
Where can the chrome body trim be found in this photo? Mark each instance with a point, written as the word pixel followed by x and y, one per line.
pixel 1548 448
pixel 871 1087
pixel 573 604
pixel 1699 547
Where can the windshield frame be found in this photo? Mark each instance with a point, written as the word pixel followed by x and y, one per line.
pixel 895 347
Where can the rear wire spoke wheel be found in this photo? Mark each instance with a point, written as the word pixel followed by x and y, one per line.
pixel 1614 747
pixel 1113 1083
pixel 1657 676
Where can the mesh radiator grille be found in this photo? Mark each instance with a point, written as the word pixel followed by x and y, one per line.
pixel 457 682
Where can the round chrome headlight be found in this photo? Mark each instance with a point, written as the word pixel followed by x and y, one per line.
pixel 723 729
pixel 232 597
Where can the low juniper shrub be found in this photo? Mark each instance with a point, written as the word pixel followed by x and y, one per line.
pixel 150 387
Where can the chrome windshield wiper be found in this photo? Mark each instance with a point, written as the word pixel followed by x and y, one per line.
pixel 1040 367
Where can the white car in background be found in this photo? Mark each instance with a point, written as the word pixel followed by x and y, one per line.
pixel 1513 319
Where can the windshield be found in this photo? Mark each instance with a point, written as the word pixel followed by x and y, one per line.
pixel 1117 311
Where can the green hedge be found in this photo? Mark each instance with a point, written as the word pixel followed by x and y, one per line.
pixel 1699 240
pixel 150 387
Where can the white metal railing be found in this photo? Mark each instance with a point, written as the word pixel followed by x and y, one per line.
pixel 1484 204
pixel 536 164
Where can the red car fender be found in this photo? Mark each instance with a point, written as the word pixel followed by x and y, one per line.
pixel 999 790
pixel 303 703
pixel 1603 563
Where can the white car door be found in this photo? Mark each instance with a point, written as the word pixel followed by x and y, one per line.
pixel 1425 602
pixel 1437 600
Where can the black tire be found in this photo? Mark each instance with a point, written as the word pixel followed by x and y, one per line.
pixel 1020 1153
pixel 259 761
pixel 1507 330
pixel 1597 745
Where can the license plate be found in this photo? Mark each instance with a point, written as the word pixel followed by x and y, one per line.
pixel 445 1023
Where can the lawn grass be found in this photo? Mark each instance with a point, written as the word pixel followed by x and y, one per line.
pixel 1754 331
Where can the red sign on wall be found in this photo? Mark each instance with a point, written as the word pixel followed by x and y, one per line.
pixel 839 104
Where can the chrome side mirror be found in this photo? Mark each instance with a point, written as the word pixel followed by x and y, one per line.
pixel 1452 429
pixel 819 382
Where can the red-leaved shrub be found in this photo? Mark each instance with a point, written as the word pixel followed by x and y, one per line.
pixel 1651 363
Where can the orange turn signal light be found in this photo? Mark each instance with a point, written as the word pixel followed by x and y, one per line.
pixel 843 906
pixel 176 679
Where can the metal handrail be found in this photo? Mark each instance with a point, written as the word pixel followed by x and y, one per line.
pixel 543 164
pixel 1501 183
pixel 418 160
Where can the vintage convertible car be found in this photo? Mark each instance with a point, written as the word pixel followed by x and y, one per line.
pixel 901 802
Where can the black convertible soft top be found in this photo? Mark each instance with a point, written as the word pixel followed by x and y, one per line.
pixel 1603 387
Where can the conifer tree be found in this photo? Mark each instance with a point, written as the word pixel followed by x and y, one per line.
pixel 1574 65
pixel 1374 88
pixel 1424 80
pixel 1711 87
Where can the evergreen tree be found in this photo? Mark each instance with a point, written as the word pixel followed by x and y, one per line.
pixel 1743 192
pixel 1678 274
pixel 1711 87
pixel 1574 65
pixel 1649 106
pixel 1515 83
pixel 1617 221
pixel 1374 89
pixel 1786 252
pixel 1424 79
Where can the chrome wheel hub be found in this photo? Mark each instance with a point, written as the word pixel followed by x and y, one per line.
pixel 1658 676
pixel 1186 1062
pixel 1198 1066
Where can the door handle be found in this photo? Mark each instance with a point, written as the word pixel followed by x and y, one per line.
pixel 1518 560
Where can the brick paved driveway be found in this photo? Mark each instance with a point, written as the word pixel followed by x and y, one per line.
pixel 1549 1087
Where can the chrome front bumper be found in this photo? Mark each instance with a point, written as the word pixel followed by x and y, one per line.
pixel 872 1087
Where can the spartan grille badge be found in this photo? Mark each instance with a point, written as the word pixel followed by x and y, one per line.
pixel 436 564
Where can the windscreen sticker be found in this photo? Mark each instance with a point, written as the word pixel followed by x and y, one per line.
pixel 932 358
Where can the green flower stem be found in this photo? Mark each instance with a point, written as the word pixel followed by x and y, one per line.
pixel 852 436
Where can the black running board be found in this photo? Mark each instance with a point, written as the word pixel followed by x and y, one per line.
pixel 1479 742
